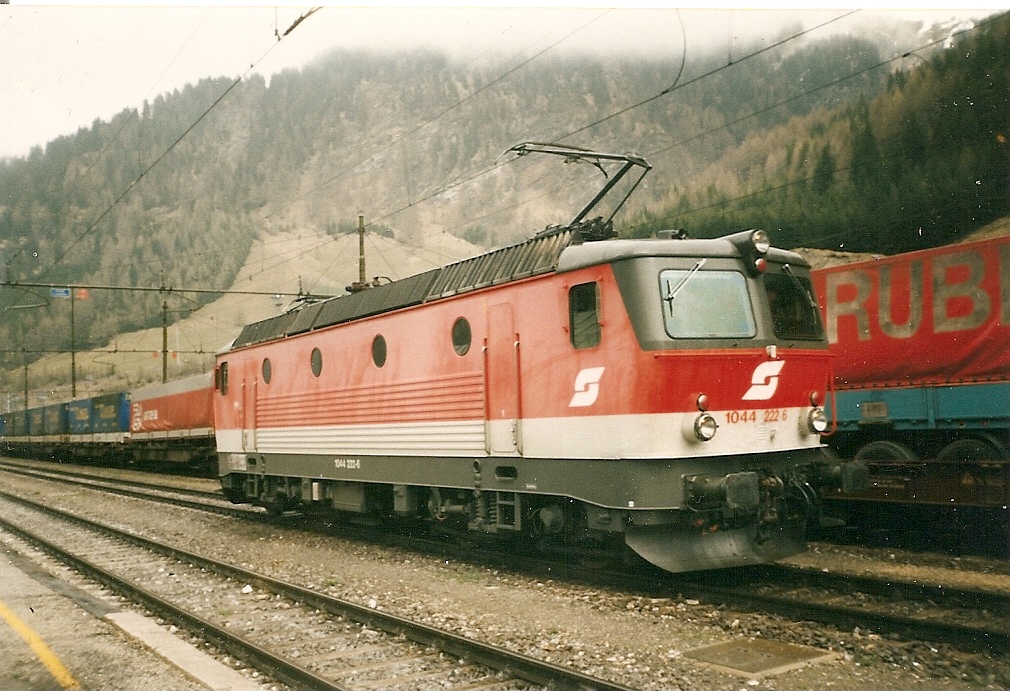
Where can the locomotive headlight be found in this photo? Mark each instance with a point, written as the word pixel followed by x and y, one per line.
pixel 705 427
pixel 761 242
pixel 817 420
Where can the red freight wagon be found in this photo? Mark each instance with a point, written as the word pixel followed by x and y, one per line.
pixel 922 379
pixel 173 422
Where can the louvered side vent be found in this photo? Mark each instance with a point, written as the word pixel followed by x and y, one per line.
pixel 384 298
pixel 536 256
pixel 266 330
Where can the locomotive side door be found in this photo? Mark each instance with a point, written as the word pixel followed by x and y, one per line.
pixel 248 415
pixel 501 357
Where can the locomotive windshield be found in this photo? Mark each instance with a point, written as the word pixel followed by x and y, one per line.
pixel 706 304
pixel 794 312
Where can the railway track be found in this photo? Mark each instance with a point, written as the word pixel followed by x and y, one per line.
pixel 970 619
pixel 300 637
pixel 203 500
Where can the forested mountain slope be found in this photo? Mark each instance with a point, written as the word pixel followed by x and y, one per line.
pixel 923 163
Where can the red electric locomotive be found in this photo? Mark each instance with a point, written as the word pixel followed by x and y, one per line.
pixel 575 388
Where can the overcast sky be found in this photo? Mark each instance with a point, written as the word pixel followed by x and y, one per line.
pixel 62 66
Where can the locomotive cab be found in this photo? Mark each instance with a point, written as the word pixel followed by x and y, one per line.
pixel 730 331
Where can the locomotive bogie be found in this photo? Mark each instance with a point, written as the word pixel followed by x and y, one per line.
pixel 740 518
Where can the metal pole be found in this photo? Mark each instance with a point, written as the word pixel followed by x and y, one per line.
pixel 73 346
pixel 361 249
pixel 164 341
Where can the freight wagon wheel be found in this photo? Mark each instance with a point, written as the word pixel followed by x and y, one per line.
pixel 975 518
pixel 972 450
pixel 884 522
pixel 886 450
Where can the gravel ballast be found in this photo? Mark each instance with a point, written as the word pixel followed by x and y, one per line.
pixel 637 641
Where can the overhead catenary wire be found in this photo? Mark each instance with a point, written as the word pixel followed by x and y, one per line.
pixel 445 188
pixel 422 125
pixel 112 140
pixel 488 169
pixel 426 123
pixel 705 75
pixel 143 173
pixel 674 86
pixel 682 142
pixel 463 181
pixel 438 191
pixel 807 92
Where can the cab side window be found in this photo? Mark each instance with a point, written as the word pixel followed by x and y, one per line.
pixel 584 315
pixel 222 378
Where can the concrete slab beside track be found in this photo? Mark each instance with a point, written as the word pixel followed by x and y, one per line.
pixel 757 657
pixel 54 635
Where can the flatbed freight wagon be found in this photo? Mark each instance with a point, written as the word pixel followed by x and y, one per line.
pixel 922 374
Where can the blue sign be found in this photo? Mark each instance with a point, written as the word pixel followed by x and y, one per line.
pixel 59 292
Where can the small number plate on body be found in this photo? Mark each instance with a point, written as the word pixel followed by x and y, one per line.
pixel 874 409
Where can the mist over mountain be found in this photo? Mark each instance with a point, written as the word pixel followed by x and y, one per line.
pixel 825 144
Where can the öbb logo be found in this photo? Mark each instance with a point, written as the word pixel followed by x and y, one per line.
pixel 587 387
pixel 764 381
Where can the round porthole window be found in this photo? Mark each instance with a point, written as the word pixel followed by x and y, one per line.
pixel 317 361
pixel 379 351
pixel 461 336
pixel 267 370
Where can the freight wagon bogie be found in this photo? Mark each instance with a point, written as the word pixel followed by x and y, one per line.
pixel 962 475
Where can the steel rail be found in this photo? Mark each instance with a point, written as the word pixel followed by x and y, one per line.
pixel 519 665
pixel 108 485
pixel 970 637
pixel 280 668
pixel 61 472
pixel 878 585
pixel 744 598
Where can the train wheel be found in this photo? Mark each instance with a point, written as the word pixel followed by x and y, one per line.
pixel 972 450
pixel 278 505
pixel 879 521
pixel 886 450
pixel 236 495
pixel 980 463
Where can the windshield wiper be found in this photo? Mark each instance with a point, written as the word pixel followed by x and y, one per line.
pixel 788 270
pixel 674 290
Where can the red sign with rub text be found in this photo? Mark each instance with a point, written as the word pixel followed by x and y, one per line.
pixel 928 317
